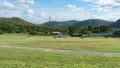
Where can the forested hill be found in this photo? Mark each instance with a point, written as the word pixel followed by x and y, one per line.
pixel 18 25
pixel 93 22
pixel 60 23
pixel 116 24
pixel 14 21
pixel 85 23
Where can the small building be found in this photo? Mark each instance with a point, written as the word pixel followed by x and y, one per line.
pixel 58 34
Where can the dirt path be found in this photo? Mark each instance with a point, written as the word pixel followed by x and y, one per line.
pixel 65 51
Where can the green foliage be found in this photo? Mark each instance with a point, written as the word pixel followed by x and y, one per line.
pixel 17 25
pixel 90 28
pixel 116 34
pixel 96 29
pixel 74 31
pixel 1 32
pixel 104 28
pixel 89 33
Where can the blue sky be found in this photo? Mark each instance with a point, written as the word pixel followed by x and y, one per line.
pixel 38 11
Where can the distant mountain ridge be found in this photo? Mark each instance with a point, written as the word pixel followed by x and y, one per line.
pixel 115 24
pixel 93 22
pixel 85 23
pixel 61 24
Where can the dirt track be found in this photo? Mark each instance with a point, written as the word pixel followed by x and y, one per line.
pixel 64 51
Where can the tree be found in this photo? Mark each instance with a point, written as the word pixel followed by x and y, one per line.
pixel 104 28
pixel 90 28
pixel 89 33
pixel 84 30
pixel 1 32
pixel 71 30
pixel 116 34
pixel 96 29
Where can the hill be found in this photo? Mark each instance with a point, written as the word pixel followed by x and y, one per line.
pixel 15 25
pixel 60 24
pixel 18 25
pixel 85 23
pixel 14 21
pixel 116 24
pixel 92 22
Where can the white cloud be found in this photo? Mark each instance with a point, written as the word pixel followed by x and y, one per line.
pixel 101 9
pixel 29 12
pixel 103 5
pixel 107 2
pixel 111 16
pixel 25 3
pixel 43 14
pixel 74 7
pixel 104 2
pixel 88 0
pixel 7 5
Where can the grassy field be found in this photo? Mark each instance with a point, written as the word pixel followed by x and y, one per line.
pixel 72 43
pixel 15 58
pixel 19 58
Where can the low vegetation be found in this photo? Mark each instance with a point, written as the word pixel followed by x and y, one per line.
pixel 17 58
pixel 73 43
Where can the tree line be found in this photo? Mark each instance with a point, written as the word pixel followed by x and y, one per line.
pixel 42 30
pixel 88 30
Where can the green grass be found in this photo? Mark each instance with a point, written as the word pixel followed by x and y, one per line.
pixel 17 58
pixel 90 44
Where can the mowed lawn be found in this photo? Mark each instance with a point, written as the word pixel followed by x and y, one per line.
pixel 20 58
pixel 68 43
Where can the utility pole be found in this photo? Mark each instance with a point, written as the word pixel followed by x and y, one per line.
pixel 49 18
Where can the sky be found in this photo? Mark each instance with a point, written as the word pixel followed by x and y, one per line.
pixel 39 11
